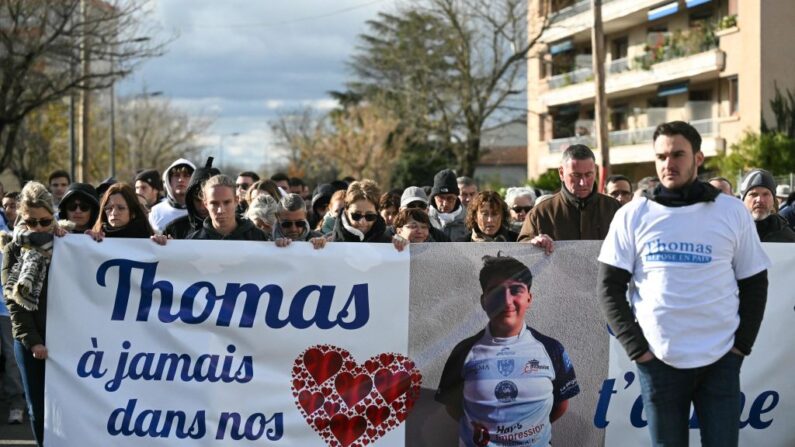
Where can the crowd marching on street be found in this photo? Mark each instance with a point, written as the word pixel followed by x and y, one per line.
pixel 680 357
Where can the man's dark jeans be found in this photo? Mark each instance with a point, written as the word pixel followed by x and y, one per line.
pixel 714 391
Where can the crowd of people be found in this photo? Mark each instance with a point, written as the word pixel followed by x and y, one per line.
pixel 190 202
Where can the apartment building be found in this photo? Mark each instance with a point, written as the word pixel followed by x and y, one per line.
pixel 713 63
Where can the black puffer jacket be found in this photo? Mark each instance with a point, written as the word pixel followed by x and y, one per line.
pixel 181 227
pixel 377 232
pixel 774 229
pixel 245 231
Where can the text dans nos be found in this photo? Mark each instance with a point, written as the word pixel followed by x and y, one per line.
pixel 204 298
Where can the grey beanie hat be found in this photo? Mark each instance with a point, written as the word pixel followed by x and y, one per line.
pixel 757 177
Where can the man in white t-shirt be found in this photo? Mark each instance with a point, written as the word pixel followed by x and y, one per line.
pixel 698 278
pixel 508 383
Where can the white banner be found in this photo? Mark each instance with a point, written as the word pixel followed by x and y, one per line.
pixel 219 343
pixel 766 377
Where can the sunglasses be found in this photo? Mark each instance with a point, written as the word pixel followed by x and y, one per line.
pixel 418 205
pixel 33 223
pixel 370 217
pixel 84 207
pixel 521 209
pixel 243 186
pixel 292 223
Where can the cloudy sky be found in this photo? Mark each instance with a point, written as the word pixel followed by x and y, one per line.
pixel 243 61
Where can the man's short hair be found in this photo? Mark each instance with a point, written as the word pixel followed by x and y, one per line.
pixel 465 181
pixel 11 195
pixel 58 174
pixel 504 268
pixel 280 177
pixel 251 174
pixel 295 181
pixel 389 200
pixel 618 178
pixel 577 152
pixel 292 202
pixel 679 128
pixel 645 183
pixel 722 179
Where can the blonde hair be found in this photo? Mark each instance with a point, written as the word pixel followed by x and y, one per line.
pixel 34 195
pixel 216 181
pixel 363 190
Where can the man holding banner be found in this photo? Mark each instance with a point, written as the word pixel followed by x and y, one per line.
pixel 508 383
pixel 699 278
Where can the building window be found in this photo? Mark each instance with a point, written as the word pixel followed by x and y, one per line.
pixel 620 48
pixel 734 95
pixel 619 115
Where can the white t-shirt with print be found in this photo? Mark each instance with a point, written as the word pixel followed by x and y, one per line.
pixel 685 263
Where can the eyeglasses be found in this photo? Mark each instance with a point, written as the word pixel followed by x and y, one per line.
pixel 33 223
pixel 243 186
pixel 418 205
pixel 415 226
pixel 118 208
pixel 73 206
pixel 370 217
pixel 292 223
pixel 522 209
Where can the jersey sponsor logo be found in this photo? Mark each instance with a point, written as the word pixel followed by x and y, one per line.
pixel 506 391
pixel 476 367
pixel 678 252
pixel 505 351
pixel 505 367
pixel 533 366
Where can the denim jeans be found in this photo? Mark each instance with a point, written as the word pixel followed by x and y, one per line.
pixel 12 383
pixel 32 372
pixel 714 391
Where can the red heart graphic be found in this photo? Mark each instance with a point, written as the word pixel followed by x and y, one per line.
pixel 378 394
pixel 322 365
pixel 346 429
pixel 392 385
pixel 352 388
pixel 310 402
pixel 377 415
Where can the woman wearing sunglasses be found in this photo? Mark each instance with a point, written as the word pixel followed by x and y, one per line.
pixel 520 201
pixel 488 219
pixel 122 215
pixel 79 208
pixel 359 220
pixel 26 260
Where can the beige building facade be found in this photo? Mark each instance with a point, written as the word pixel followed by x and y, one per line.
pixel 713 63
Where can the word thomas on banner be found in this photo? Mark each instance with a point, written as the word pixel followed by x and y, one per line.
pixel 206 303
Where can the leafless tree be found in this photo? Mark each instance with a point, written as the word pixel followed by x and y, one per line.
pixel 43 44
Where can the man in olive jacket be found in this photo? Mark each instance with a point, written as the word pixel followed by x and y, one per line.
pixel 577 211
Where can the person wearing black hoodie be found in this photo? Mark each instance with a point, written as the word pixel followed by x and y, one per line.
pixel 181 227
pixel 223 222
pixel 699 277
pixel 79 208
pixel 359 220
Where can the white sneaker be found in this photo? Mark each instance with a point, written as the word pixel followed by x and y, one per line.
pixel 15 417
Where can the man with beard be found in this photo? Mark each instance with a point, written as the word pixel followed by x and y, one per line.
pixel 175 179
pixel 577 211
pixel 758 194
pixel 699 278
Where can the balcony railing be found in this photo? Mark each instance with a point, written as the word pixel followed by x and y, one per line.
pixel 705 127
pixel 573 10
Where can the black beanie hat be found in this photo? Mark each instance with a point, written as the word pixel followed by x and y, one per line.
pixel 150 176
pixel 444 182
pixel 757 177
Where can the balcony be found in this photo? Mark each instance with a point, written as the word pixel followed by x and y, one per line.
pixel 577 18
pixel 585 74
pixel 696 67
pixel 706 127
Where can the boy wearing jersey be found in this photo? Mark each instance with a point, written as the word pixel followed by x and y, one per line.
pixel 508 383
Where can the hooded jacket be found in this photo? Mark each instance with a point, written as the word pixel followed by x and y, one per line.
pixel 181 227
pixel 87 194
pixel 565 217
pixel 343 233
pixel 245 231
pixel 166 211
